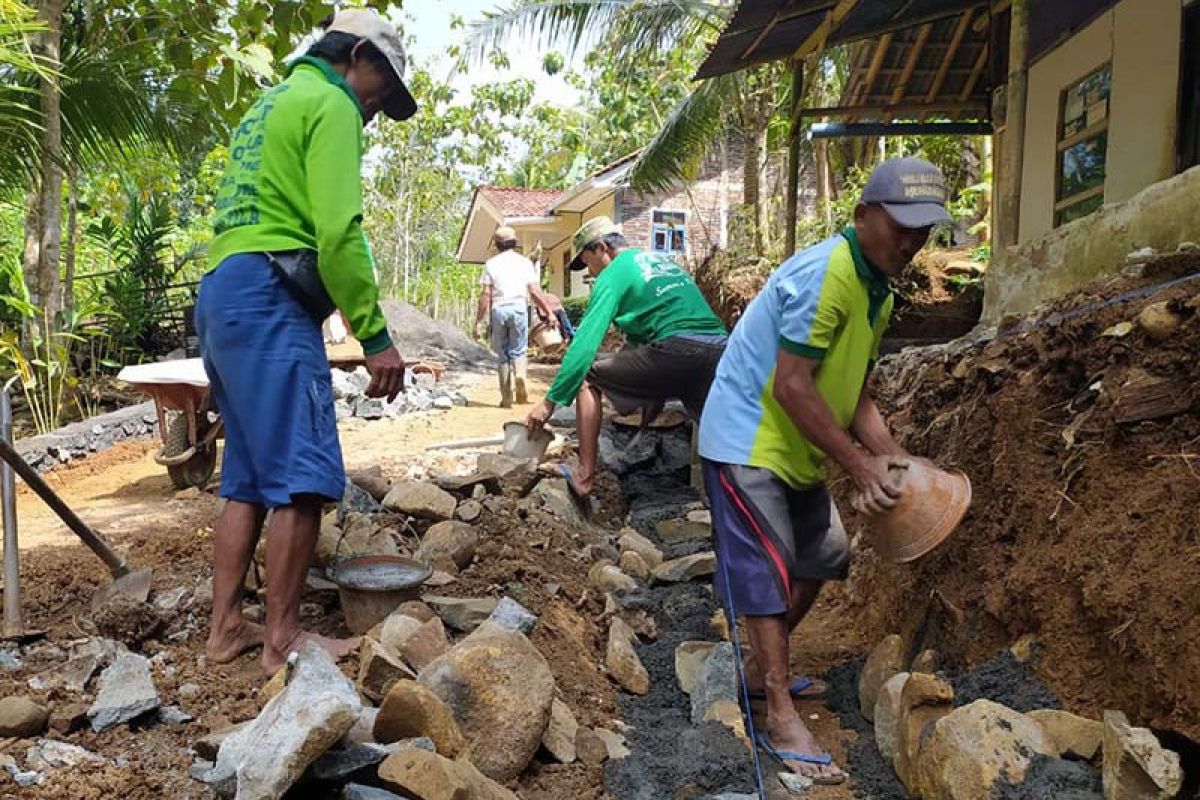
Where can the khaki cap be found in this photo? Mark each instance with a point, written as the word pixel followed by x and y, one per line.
pixel 366 24
pixel 589 233
pixel 504 234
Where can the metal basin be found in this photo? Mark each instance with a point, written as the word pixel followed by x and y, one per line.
pixel 371 587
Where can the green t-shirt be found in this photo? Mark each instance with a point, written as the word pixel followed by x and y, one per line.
pixel 648 297
pixel 293 182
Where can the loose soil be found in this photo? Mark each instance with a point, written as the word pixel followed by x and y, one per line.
pixel 525 553
pixel 1083 531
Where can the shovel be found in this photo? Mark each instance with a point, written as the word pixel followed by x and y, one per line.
pixel 134 584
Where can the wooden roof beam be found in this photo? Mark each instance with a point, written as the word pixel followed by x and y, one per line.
pixel 998 7
pixel 914 55
pixel 881 49
pixel 939 80
pixel 816 40
pixel 973 78
pixel 763 34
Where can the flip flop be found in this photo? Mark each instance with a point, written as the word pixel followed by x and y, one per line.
pixel 823 760
pixel 798 688
pixel 584 502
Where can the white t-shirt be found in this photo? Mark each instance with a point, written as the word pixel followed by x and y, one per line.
pixel 509 273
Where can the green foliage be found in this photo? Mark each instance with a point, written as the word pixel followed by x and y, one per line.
pixel 575 307
pixel 41 367
pixel 138 294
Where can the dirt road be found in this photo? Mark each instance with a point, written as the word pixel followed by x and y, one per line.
pixel 123 489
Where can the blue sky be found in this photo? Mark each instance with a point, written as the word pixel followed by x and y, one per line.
pixel 428 21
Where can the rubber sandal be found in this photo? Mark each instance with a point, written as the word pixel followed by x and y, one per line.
pixel 584 502
pixel 822 760
pixel 798 688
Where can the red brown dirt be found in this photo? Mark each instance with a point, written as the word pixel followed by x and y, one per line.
pixel 523 551
pixel 1084 531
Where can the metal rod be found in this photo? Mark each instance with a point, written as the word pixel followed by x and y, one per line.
pixel 835 130
pixel 116 565
pixel 14 622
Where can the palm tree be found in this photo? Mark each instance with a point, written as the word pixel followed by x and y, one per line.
pixel 631 29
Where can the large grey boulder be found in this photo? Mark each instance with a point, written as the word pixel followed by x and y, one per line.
pixel 317 707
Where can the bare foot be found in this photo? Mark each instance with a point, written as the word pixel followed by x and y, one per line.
pixel 274 658
pixel 758 686
pixel 793 736
pixel 225 647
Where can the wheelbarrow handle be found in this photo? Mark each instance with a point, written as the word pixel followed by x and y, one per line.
pixel 116 565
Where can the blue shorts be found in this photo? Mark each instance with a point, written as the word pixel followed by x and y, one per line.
pixel 269 378
pixel 769 536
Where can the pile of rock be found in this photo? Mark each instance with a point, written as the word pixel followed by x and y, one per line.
pixel 451 699
pixel 982 749
pixel 426 717
pixel 421 393
pixel 98 684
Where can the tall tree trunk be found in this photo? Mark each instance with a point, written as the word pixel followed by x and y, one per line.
pixel 43 243
pixel 72 239
pixel 824 194
pixel 756 139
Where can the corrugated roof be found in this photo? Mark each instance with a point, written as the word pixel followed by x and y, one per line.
pixel 512 201
pixel 762 31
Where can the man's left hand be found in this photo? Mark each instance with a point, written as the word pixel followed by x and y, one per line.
pixel 540 415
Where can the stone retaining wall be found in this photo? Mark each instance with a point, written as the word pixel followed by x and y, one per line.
pixel 82 439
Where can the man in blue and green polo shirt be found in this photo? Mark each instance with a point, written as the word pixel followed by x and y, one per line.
pixel 789 391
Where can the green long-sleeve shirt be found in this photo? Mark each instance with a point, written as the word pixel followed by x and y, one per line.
pixel 293 182
pixel 649 297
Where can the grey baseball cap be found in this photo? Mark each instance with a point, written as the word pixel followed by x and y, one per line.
pixel 366 24
pixel 911 190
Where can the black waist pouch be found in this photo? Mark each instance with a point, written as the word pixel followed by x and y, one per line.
pixel 297 271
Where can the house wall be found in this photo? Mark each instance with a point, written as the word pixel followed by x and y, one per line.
pixel 1141 38
pixel 708 202
pixel 1144 206
pixel 1162 216
pixel 556 276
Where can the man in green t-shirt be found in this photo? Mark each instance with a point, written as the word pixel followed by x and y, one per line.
pixel 675 341
pixel 291 195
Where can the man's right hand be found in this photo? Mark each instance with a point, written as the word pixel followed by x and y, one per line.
pixel 876 490
pixel 387 374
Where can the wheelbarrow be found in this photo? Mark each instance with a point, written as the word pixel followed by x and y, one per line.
pixel 183 405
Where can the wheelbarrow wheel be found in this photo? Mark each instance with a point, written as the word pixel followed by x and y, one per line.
pixel 198 470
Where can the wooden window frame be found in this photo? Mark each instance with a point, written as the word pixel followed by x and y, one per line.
pixel 1064 143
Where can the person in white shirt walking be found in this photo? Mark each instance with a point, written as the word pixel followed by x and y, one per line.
pixel 508 282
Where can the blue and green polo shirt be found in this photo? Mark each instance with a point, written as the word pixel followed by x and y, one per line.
pixel 826 302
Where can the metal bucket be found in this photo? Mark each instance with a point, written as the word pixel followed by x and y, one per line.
pixel 520 442
pixel 930 507
pixel 371 587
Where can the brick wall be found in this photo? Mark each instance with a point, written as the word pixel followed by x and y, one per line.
pixel 709 201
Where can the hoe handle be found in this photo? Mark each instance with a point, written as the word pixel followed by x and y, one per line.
pixel 115 564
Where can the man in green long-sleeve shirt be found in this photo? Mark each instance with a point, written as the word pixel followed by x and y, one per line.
pixel 675 341
pixel 289 240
